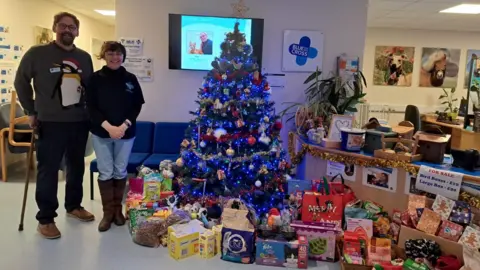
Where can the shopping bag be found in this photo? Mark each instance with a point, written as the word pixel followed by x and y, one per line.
pixel 326 206
pixel 339 188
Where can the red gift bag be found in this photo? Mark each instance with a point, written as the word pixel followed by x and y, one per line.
pixel 326 206
pixel 339 188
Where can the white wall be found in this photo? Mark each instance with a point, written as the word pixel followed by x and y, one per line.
pixel 23 15
pixel 172 94
pixel 427 98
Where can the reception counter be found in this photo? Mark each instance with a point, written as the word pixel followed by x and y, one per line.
pixel 311 161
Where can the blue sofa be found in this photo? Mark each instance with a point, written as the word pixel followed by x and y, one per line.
pixel 166 143
pixel 142 148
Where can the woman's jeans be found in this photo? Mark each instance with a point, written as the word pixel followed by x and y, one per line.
pixel 112 157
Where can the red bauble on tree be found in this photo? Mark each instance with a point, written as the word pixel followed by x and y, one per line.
pixel 251 140
pixel 278 125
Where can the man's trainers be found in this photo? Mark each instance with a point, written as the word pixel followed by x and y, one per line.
pixel 82 215
pixel 49 231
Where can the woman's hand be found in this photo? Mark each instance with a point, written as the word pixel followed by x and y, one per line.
pixel 116 132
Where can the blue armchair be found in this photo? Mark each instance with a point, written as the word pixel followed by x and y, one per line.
pixel 166 143
pixel 142 148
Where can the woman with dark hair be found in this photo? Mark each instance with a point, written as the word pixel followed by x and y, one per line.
pixel 114 101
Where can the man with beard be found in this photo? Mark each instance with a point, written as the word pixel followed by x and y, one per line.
pixel 59 71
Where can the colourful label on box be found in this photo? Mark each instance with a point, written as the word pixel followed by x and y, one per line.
pixel 321 239
pixel 282 254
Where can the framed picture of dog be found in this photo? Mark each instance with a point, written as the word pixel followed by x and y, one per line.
pixel 393 65
pixel 439 67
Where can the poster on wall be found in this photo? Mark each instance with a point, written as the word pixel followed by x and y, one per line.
pixel 7 76
pixel 134 46
pixel 439 67
pixel 42 35
pixel 393 65
pixel 410 187
pixel 380 178
pixel 302 50
pixel 142 67
pixel 348 171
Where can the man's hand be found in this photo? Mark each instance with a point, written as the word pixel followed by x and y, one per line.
pixel 32 121
pixel 116 132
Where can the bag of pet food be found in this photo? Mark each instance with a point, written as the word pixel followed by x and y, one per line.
pixel 238 245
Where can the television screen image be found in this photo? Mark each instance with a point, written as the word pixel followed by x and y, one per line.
pixel 195 40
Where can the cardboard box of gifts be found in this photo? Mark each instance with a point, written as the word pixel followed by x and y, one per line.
pixel 280 253
pixel 448 247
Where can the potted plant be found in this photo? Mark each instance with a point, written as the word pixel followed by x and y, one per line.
pixel 324 98
pixel 448 99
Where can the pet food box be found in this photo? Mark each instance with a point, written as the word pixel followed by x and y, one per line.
pixel 217 229
pixel 184 239
pixel 280 253
pixel 321 239
pixel 207 244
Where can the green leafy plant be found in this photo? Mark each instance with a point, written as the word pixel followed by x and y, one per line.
pixel 325 97
pixel 449 100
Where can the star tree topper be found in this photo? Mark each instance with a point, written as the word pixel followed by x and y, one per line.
pixel 239 9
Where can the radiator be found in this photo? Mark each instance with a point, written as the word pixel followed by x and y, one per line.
pixel 392 113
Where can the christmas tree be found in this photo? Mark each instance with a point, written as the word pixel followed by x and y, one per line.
pixel 233 147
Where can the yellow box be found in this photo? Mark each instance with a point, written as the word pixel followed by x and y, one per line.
pixel 183 239
pixel 217 229
pixel 207 244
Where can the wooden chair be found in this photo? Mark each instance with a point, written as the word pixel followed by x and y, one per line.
pixel 18 133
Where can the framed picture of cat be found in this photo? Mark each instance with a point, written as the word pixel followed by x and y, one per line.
pixel 338 122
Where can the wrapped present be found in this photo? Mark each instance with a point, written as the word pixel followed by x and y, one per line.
pixel 379 251
pixel 450 230
pixel 461 213
pixel 443 206
pixel 406 219
pixel 416 201
pixel 429 222
pixel 470 238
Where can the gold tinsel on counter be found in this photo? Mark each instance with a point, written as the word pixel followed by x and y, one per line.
pixel 471 199
pixel 319 152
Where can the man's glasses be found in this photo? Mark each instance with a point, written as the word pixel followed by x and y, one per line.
pixel 70 27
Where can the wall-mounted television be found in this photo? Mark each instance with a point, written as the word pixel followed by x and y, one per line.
pixel 194 41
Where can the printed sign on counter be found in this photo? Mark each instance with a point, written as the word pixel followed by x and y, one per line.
pixel 445 183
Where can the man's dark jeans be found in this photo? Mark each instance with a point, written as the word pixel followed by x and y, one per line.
pixel 57 140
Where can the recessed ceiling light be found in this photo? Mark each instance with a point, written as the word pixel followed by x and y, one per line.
pixel 106 12
pixel 463 9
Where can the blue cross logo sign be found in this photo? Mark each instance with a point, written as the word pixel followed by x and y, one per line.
pixel 303 51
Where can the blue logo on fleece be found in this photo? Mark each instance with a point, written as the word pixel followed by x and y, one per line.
pixel 130 87
pixel 303 51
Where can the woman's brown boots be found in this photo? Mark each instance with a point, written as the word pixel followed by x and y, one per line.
pixel 111 192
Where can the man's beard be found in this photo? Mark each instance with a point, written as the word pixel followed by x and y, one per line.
pixel 67 39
